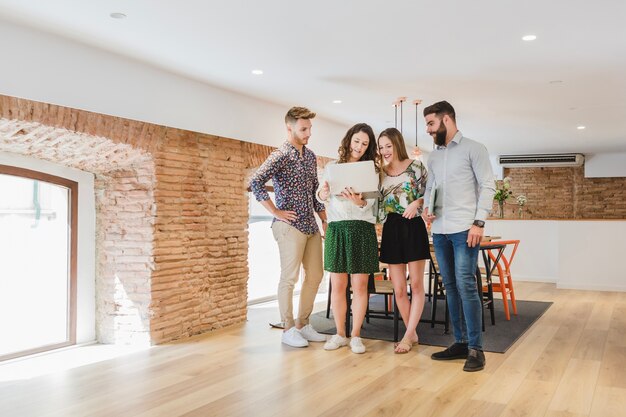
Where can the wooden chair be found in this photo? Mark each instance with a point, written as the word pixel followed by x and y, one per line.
pixel 504 283
pixel 383 287
pixel 490 252
pixel 371 288
pixel 436 292
pixel 377 284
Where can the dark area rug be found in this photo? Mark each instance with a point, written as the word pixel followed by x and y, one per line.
pixel 496 338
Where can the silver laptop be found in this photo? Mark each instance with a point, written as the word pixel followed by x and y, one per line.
pixel 361 176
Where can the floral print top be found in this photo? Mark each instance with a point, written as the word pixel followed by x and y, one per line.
pixel 401 190
pixel 294 177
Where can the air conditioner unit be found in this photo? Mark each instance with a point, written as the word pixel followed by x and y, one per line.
pixel 542 160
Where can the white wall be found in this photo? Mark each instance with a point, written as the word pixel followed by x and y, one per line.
pixel 86 266
pixel 584 255
pixel 591 255
pixel 51 69
pixel 498 170
pixel 605 165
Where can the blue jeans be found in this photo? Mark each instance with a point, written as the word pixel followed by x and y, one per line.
pixel 457 265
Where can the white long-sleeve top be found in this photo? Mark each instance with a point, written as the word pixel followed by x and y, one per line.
pixel 339 208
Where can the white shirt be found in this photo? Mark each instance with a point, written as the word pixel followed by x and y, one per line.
pixel 462 175
pixel 339 208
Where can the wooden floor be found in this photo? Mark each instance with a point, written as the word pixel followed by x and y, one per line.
pixel 572 362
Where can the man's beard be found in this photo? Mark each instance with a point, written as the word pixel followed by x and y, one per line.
pixel 440 135
pixel 302 140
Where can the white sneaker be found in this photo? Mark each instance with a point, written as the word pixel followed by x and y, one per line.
pixel 309 333
pixel 293 338
pixel 335 342
pixel 357 346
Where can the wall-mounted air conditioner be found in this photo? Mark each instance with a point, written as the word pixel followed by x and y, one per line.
pixel 542 160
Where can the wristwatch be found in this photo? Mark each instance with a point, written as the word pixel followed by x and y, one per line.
pixel 479 223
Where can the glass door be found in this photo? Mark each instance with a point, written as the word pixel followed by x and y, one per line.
pixel 37 262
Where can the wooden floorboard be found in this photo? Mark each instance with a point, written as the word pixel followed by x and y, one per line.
pixel 572 362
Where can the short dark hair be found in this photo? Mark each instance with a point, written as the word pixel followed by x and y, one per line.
pixel 296 113
pixel 440 108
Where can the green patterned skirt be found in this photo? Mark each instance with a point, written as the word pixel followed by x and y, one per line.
pixel 351 247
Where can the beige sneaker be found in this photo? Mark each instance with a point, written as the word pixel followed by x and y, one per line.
pixel 357 346
pixel 309 333
pixel 293 338
pixel 336 342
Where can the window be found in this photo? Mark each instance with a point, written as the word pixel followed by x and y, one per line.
pixel 263 256
pixel 38 229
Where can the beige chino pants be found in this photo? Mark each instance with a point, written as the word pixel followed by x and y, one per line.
pixel 297 249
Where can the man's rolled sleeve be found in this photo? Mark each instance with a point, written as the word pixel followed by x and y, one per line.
pixel 265 172
pixel 317 205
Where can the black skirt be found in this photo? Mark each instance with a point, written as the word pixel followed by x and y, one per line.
pixel 404 240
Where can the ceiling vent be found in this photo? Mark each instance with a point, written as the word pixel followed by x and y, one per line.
pixel 542 160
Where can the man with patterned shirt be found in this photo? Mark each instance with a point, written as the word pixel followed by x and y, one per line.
pixel 293 171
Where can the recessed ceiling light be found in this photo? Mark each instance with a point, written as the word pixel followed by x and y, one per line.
pixel 580 127
pixel 336 101
pixel 117 15
pixel 529 38
pixel 257 72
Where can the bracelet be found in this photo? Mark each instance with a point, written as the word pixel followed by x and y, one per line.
pixel 320 197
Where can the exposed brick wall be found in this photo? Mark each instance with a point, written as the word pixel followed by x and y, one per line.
pixel 565 193
pixel 124 184
pixel 125 220
pixel 171 216
pixel 256 154
pixel 201 239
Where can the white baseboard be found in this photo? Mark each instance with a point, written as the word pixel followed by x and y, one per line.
pixel 589 286
pixel 549 280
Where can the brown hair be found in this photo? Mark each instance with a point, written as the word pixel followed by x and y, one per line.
pixel 296 113
pixel 397 141
pixel 370 153
pixel 441 108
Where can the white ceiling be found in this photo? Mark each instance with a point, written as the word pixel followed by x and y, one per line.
pixel 369 52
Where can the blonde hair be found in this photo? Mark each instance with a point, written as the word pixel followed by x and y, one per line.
pixel 296 113
pixel 397 141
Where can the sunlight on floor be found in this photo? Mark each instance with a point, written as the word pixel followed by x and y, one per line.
pixel 61 360
pixel 75 356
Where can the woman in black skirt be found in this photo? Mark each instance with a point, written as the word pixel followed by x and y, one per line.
pixel 350 245
pixel 405 239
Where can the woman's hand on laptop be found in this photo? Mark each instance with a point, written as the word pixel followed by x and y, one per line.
pixel 356 198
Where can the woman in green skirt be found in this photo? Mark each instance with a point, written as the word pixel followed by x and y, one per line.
pixel 350 245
